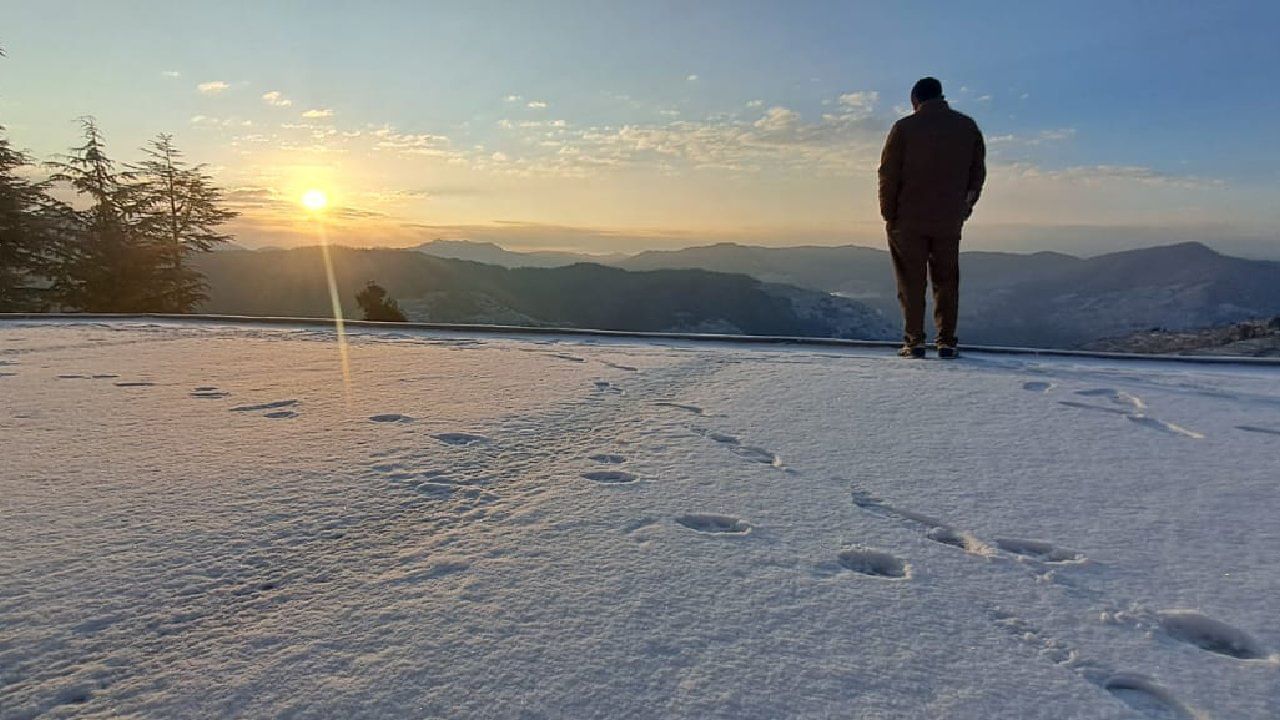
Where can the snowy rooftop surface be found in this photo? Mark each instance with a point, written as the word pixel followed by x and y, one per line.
pixel 206 521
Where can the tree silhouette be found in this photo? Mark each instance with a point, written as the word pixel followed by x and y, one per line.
pixel 127 251
pixel 178 213
pixel 30 222
pixel 109 267
pixel 376 305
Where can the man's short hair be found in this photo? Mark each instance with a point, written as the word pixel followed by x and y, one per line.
pixel 926 89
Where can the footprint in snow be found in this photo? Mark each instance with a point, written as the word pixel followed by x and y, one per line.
pixel 735 446
pixel 1148 697
pixel 608 459
pixel 265 406
pixel 1037 386
pixel 679 406
pixel 1138 691
pixel 1040 551
pixel 958 539
pixel 1215 636
pixel 722 438
pixel 1162 426
pixel 709 524
pixel 1096 408
pixel 139 383
pixel 1132 408
pixel 77 694
pixel 1118 397
pixel 209 391
pixel 874 562
pixel 934 529
pixel 610 477
pixel 1258 429
pixel 392 418
pixel 460 438
pixel 756 454
pixel 280 414
pixel 626 368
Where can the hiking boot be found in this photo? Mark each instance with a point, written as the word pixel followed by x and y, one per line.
pixel 914 352
pixel 948 352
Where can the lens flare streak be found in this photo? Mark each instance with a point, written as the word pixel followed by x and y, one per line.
pixel 336 301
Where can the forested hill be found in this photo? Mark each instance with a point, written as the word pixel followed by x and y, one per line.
pixel 292 282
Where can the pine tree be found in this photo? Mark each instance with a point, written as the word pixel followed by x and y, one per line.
pixel 179 211
pixel 30 221
pixel 109 267
pixel 376 305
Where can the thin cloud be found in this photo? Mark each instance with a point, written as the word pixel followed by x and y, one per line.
pixel 862 102
pixel 318 113
pixel 213 87
pixel 276 98
pixel 207 121
pixel 537 104
pixel 513 98
pixel 1040 138
pixel 171 73
pixel 777 119
pixel 691 78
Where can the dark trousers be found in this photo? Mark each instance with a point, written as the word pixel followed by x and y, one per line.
pixel 920 256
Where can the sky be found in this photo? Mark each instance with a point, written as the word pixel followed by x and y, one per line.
pixel 621 126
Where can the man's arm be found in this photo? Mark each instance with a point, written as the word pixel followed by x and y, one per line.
pixel 977 169
pixel 891 175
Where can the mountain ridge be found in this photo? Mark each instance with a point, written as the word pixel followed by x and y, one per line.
pixel 1041 299
pixel 589 295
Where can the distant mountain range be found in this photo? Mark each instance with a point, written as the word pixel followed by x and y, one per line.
pixel 494 254
pixel 292 282
pixel 1043 299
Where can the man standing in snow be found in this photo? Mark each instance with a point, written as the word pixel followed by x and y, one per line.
pixel 931 174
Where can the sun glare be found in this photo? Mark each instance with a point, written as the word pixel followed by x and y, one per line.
pixel 314 200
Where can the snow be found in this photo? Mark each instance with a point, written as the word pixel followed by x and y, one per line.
pixel 206 521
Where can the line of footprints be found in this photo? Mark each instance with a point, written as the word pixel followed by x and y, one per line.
pixel 1138 691
pixel 1130 407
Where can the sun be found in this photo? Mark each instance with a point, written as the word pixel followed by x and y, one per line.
pixel 315 200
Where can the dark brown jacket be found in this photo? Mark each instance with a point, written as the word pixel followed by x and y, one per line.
pixel 932 169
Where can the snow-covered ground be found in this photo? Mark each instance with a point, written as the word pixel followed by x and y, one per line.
pixel 206 521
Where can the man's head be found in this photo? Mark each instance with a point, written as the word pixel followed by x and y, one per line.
pixel 924 90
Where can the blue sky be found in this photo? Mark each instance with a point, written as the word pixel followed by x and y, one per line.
pixel 608 126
